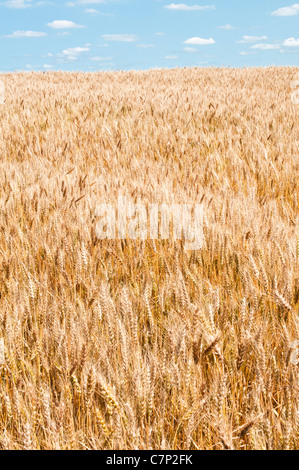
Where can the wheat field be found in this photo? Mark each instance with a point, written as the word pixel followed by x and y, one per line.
pixel 128 344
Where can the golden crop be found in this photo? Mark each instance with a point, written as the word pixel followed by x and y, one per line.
pixel 114 344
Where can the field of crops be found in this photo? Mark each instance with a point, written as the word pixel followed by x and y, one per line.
pixel 140 344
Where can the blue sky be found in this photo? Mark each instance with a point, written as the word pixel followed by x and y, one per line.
pixel 93 35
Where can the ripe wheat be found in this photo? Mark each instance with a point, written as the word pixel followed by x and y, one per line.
pixel 122 344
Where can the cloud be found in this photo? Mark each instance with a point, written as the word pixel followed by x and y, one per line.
pixel 120 37
pixel 63 24
pixel 18 4
pixel 245 53
pixel 184 7
pixel 71 54
pixel 90 2
pixel 227 27
pixel 266 47
pixel 21 4
pixel 85 2
pixel 292 10
pixel 91 11
pixel 200 41
pixel 171 57
pixel 291 42
pixel 26 34
pixel 190 49
pixel 249 39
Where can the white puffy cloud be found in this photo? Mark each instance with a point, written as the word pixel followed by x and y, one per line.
pixel 200 41
pixel 291 42
pixel 71 54
pixel 26 34
pixel 85 2
pixel 184 7
pixel 292 10
pixel 249 39
pixel 63 24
